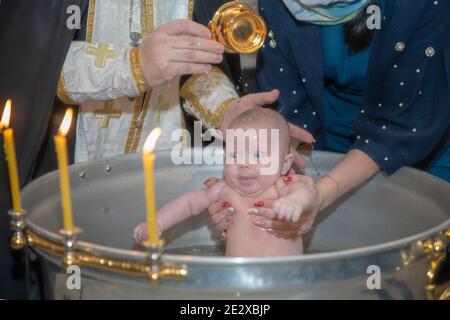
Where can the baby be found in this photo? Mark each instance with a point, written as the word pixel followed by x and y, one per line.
pixel 248 179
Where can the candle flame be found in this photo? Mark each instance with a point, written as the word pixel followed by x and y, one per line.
pixel 6 115
pixel 150 143
pixel 67 121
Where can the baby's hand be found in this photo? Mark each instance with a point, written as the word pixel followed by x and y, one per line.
pixel 140 232
pixel 288 209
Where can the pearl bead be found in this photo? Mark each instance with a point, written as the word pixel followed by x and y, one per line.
pixel 429 52
pixel 400 46
pixel 386 158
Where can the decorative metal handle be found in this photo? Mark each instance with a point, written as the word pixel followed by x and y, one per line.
pixel 18 224
pixel 439 249
pixel 156 269
pixel 85 258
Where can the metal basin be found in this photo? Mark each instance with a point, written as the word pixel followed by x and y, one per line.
pixel 390 223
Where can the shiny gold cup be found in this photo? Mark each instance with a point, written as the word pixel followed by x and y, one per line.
pixel 238 27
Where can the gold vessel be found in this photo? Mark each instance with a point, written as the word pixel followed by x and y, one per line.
pixel 238 27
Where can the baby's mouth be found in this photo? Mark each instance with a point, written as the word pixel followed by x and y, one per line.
pixel 247 181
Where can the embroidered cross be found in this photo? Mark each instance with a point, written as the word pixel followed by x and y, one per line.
pixel 107 114
pixel 102 53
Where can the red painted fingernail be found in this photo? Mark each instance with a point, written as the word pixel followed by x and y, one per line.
pixel 206 181
pixel 287 179
pixel 226 204
pixel 259 204
pixel 259 223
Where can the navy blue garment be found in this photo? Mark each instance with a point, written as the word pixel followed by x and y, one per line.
pixel 405 112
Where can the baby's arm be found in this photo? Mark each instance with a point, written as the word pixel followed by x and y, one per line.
pixel 294 198
pixel 188 205
pixel 182 208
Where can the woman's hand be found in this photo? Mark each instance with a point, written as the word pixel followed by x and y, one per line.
pixel 291 216
pixel 178 48
pixel 221 212
pixel 258 100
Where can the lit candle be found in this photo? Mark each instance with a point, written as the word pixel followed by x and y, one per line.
pixel 8 135
pixel 149 161
pixel 63 166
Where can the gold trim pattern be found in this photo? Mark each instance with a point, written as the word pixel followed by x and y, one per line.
pixel 147 18
pixel 138 132
pixel 132 133
pixel 117 265
pixel 137 71
pixel 90 21
pixel 61 91
pixel 214 118
pixel 191 9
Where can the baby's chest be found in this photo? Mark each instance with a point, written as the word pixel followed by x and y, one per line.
pixel 242 204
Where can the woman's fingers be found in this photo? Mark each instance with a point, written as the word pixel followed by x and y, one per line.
pixel 224 225
pixel 298 159
pixel 221 215
pixel 278 225
pixel 217 207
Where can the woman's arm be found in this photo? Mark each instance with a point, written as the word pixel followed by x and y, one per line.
pixel 355 168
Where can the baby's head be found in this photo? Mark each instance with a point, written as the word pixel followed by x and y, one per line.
pixel 257 151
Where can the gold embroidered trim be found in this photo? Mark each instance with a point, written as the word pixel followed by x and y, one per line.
pixel 61 92
pixel 131 132
pixel 138 134
pixel 140 112
pixel 191 9
pixel 214 118
pixel 90 21
pixel 137 71
pixel 147 18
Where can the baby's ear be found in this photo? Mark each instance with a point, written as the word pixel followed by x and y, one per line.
pixel 287 163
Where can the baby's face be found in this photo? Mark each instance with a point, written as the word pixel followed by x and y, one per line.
pixel 254 165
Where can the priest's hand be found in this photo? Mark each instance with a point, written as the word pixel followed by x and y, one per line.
pixel 258 100
pixel 180 47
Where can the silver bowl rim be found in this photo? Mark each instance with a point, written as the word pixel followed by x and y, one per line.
pixel 222 260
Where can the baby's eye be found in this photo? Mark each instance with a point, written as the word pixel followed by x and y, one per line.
pixel 259 154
